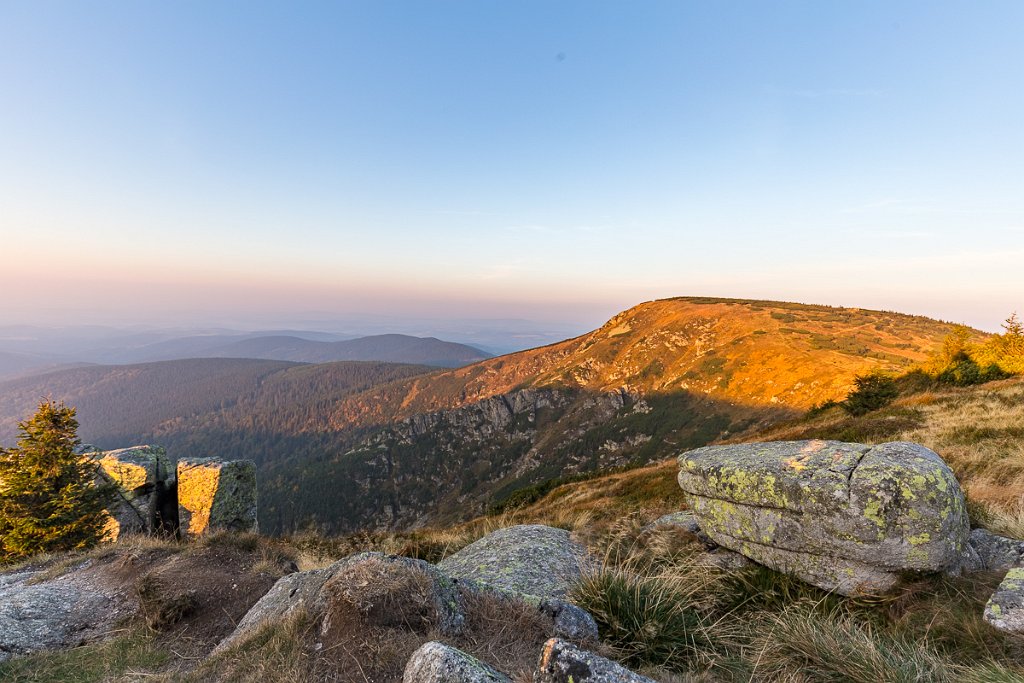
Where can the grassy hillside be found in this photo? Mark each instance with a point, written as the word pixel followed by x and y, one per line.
pixel 979 432
pixel 658 377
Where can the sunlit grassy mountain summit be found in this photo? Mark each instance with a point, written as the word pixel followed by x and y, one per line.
pixel 744 351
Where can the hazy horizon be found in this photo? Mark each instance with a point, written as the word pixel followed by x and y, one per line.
pixel 258 166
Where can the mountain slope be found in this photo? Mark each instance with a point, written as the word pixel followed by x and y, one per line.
pixel 659 377
pixel 421 447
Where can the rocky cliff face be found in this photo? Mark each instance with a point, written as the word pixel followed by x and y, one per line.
pixel 452 464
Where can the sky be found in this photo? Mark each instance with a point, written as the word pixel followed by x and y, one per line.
pixel 263 163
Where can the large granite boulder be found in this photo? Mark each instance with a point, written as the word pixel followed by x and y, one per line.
pixel 1005 609
pixel 562 662
pixel 439 663
pixel 216 495
pixel 377 591
pixel 144 479
pixel 845 517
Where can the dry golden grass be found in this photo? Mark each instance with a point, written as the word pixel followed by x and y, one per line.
pixel 980 433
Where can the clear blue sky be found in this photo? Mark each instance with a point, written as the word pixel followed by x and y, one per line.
pixel 550 160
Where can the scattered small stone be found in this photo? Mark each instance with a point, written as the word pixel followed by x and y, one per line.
pixel 1005 609
pixel 569 621
pixel 439 663
pixel 723 558
pixel 562 662
pixel 682 520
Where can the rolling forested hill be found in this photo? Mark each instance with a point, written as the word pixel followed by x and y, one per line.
pixel 128 404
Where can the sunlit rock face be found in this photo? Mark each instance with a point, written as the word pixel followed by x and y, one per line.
pixel 845 517
pixel 216 495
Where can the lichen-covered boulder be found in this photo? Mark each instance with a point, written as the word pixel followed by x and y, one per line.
pixel 216 495
pixel 529 559
pixel 143 476
pixel 1005 609
pixel 845 517
pixel 439 663
pixel 562 662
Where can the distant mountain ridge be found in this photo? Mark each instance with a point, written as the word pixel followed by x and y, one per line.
pixel 299 347
pixel 390 348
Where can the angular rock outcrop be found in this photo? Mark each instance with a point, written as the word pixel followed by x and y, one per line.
pixel 216 495
pixel 1005 609
pixel 562 662
pixel 144 483
pixel 531 563
pixel 291 593
pixel 439 663
pixel 845 517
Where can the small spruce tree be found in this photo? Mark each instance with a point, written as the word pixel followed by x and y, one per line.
pixel 870 392
pixel 49 498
